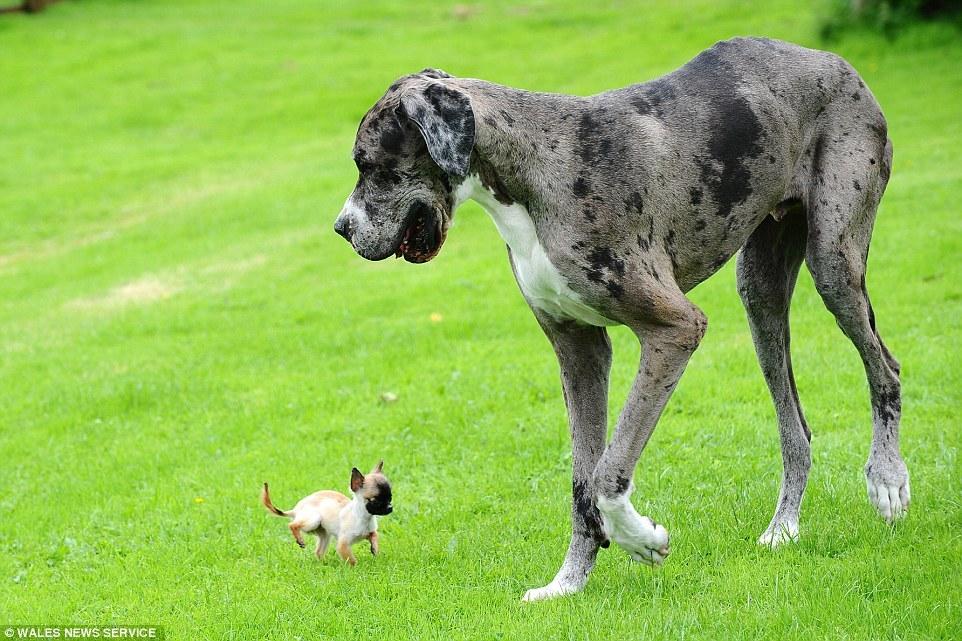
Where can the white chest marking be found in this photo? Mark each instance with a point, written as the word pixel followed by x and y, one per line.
pixel 538 278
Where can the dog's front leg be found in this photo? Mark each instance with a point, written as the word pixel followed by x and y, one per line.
pixel 584 356
pixel 344 551
pixel 668 342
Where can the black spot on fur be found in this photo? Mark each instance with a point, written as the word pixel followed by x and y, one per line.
pixel 588 132
pixel 649 98
pixel 695 196
pixel 621 484
pixel 857 186
pixel 603 258
pixel 856 96
pixel 507 117
pixel 735 137
pixel 889 405
pixel 580 188
pixel 587 512
pixel 490 179
pixel 634 204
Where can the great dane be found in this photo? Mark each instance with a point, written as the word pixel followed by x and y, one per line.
pixel 613 206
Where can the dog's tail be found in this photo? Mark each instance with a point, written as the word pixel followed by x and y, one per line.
pixel 266 500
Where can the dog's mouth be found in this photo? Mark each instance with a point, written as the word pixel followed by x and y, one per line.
pixel 423 237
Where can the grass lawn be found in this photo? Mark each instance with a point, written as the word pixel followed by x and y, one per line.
pixel 179 323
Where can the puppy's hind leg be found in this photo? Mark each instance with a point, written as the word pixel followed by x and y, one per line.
pixel 296 526
pixel 767 271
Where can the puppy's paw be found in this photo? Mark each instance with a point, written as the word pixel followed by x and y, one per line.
pixel 779 533
pixel 553 590
pixel 888 487
pixel 644 540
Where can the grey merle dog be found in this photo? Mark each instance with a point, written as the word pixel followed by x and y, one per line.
pixel 614 206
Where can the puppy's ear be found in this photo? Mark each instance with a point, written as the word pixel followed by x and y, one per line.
pixel 445 119
pixel 357 479
pixel 380 465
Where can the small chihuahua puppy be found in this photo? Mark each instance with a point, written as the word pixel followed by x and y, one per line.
pixel 331 515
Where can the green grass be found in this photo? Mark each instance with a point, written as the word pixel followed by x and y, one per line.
pixel 178 323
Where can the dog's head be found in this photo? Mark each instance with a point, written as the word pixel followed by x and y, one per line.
pixel 411 147
pixel 374 489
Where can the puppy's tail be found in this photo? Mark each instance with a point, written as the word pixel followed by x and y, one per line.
pixel 266 500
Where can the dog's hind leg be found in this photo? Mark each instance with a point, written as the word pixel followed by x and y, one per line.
pixel 842 213
pixel 295 527
pixel 584 357
pixel 767 270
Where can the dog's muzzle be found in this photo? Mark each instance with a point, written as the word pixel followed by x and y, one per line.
pixel 343 226
pixel 380 510
pixel 418 238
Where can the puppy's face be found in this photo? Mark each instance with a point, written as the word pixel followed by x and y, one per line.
pixel 374 489
pixel 412 145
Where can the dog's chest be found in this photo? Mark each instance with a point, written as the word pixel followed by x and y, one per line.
pixel 540 281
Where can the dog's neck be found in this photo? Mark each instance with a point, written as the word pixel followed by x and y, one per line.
pixel 362 518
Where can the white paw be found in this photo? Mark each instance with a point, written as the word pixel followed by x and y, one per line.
pixel 779 533
pixel 643 539
pixel 890 499
pixel 553 590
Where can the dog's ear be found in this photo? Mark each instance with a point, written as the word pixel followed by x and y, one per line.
pixel 380 465
pixel 357 479
pixel 431 72
pixel 445 119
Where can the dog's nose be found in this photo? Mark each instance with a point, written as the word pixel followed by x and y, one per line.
pixel 343 227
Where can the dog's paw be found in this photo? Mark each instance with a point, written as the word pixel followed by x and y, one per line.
pixel 779 533
pixel 644 540
pixel 891 499
pixel 553 590
pixel 888 487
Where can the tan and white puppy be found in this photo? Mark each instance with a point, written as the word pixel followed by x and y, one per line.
pixel 331 515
